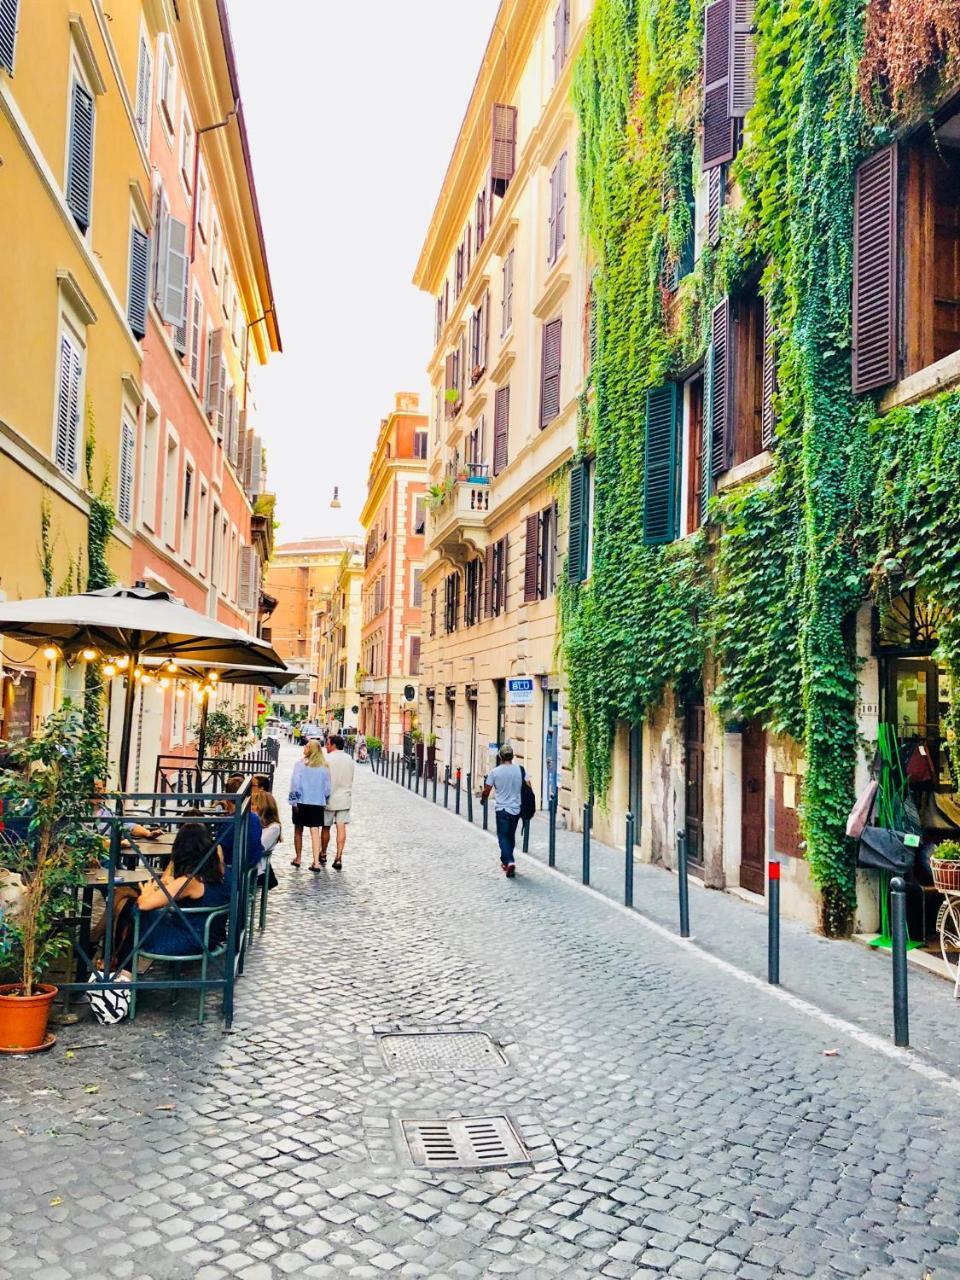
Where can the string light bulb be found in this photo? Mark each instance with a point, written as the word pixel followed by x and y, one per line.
pixel 181 693
pixel 50 653
pixel 123 662
pixel 172 666
pixel 213 677
pixel 144 679
pixel 110 670
pixel 164 682
pixel 88 655
pixel 137 673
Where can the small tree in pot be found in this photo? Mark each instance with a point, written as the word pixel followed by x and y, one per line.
pixel 48 842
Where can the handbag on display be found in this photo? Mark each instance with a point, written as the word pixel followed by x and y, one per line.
pixel 885 850
pixel 862 811
pixel 919 769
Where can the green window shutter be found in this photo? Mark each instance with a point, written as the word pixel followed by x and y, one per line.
pixel 660 466
pixel 578 539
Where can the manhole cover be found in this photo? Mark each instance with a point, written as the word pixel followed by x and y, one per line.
pixel 440 1050
pixel 477 1143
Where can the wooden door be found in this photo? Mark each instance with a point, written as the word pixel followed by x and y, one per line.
pixel 693 753
pixel 752 820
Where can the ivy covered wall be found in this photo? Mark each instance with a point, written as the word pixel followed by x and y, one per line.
pixel 770 587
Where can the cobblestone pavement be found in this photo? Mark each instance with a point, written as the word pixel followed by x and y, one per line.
pixel 679 1122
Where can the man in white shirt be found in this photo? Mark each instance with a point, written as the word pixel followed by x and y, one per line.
pixel 337 809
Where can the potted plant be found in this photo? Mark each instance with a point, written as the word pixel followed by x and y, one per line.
pixel 374 747
pixel 431 741
pixel 46 846
pixel 945 865
pixel 227 733
pixel 416 737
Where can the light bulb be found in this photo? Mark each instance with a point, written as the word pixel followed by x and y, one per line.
pixel 145 679
pixel 109 670
pixel 181 694
pixel 164 682
pixel 172 666
pixel 137 673
pixel 123 662
pixel 196 686
pixel 89 655
pixel 50 653
pixel 213 677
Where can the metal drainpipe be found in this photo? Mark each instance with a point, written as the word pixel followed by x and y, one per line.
pixel 207 128
pixel 393 553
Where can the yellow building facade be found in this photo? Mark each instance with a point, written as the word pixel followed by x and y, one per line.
pixel 504 261
pixel 74 184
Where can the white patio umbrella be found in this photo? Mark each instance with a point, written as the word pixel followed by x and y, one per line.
pixel 137 623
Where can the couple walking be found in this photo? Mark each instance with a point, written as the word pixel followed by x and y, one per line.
pixel 321 792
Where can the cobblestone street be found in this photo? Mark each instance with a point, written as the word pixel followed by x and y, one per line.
pixel 677 1120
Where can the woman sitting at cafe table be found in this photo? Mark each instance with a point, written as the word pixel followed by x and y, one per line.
pixel 194 877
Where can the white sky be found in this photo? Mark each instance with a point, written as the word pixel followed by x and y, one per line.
pixel 353 110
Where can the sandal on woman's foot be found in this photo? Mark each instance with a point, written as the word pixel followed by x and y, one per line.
pixel 318 869
pixel 323 859
pixel 295 862
pixel 338 864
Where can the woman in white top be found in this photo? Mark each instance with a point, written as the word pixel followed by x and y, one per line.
pixel 266 810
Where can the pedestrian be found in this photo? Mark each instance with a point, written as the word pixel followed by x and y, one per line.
pixel 254 829
pixel 310 791
pixel 337 812
pixel 505 780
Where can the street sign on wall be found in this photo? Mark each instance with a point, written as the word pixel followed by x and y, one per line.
pixel 520 691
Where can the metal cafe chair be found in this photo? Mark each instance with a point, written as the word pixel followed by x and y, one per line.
pixel 208 953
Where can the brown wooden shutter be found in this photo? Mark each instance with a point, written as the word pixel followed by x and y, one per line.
pixel 875 266
pixel 485 329
pixel 433 612
pixel 503 155
pixel 501 429
pixel 487 580
pixel 531 559
pixel 720 406
pixel 768 419
pixel 741 58
pixel 718 128
pixel 414 655
pixel 550 373
pixel 715 198
pixel 504 562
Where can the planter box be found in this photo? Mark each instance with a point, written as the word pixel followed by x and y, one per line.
pixel 946 875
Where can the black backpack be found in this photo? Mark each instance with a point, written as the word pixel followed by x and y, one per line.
pixel 528 800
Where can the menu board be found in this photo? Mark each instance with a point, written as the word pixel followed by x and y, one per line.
pixel 18 706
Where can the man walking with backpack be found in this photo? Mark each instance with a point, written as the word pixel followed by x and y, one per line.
pixel 509 785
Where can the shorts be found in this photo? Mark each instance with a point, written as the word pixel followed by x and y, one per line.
pixel 308 815
pixel 333 816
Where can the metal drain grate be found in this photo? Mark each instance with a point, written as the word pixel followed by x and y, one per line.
pixel 440 1051
pixel 480 1142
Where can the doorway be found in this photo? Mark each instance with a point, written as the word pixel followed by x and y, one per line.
pixel 636 778
pixel 752 821
pixel 471 730
pixel 693 723
pixel 551 735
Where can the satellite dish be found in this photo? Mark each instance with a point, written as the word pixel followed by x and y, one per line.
pixel 409 692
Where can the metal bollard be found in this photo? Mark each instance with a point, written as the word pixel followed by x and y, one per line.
pixel 415 771
pixel 434 782
pixel 898 939
pixel 456 795
pixel 552 832
pixel 486 813
pixel 587 824
pixel 426 777
pixel 773 924
pixel 526 835
pixel 470 798
pixel 683 886
pixel 628 864
pixel 446 784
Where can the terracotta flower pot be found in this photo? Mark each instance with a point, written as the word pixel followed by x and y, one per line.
pixel 23 1019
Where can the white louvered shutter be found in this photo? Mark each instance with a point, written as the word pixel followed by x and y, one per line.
pixel 125 478
pixel 214 375
pixel 256 470
pixel 68 408
pixel 144 73
pixel 173 300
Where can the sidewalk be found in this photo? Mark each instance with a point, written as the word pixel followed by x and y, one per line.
pixel 843 978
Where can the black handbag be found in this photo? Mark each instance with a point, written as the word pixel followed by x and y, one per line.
pixel 884 850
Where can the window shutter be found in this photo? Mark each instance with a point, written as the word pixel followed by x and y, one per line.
pixel 139 269
pixel 531 559
pixel 576 550
pixel 741 58
pixel 241 464
pixel 8 33
pixel 552 224
pixel 248 461
pixel 474 342
pixel 449 384
pixel 214 376
pixel 502 575
pixel 487 581
pixel 125 477
pixel 706 437
pixel 506 302
pixel 720 406
pixel 246 592
pixel 481 218
pixel 592 321
pixel 256 470
pixel 433 612
pixel 501 429
pixel 484 329
pixel 143 89
pixel 718 129
pixel 660 469
pixel 715 198
pixel 550 373
pixel 875 270
pixel 503 155
pixel 768 417
pixel 173 301
pixel 160 259
pixel 80 156
pixel 68 408
pixel 414 655
pixel 559 225
pixel 196 331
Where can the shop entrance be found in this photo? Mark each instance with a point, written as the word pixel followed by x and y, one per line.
pixel 551 734
pixel 694 719
pixel 752 776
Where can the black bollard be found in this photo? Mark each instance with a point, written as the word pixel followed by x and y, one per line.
pixel 587 824
pixel 426 777
pixel 456 795
pixel 434 782
pixel 446 784
pixel 898 939
pixel 552 831
pixel 526 835
pixel 628 865
pixel 486 813
pixel 470 798
pixel 682 885
pixel 773 924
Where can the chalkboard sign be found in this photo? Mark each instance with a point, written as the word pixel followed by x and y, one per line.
pixel 18 707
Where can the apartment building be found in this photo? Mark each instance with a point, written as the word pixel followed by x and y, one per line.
pixel 502 259
pixel 394 519
pixel 301 578
pixel 339 646
pixel 75 201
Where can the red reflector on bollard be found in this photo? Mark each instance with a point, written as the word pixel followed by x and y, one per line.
pixel 774 870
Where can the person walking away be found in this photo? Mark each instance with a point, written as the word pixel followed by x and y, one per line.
pixel 297 826
pixel 337 812
pixel 506 782
pixel 310 791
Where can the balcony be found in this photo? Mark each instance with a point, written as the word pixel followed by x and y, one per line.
pixel 459 510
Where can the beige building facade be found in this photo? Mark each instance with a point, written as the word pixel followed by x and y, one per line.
pixel 503 259
pixel 338 648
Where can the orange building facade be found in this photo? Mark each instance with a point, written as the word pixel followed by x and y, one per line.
pixel 394 521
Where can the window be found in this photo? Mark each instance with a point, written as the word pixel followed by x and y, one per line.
pixel 474 446
pixel 202 516
pixel 433 612
pixel 196 339
pixel 479 325
pixel 581 510
pixel 453 381
pixel 186 153
pixel 202 205
pixel 417 597
pixel 506 300
pixel 173 266
pixel 539 566
pixel 550 373
pixel 548 551
pixel 693 443
pixel 420 516
pixel 167 89
pixel 451 602
pixel 741 380
pixel 186 539
pixel 171 476
pixel 79 185
pixel 128 448
pixel 137 292
pixel 235 320
pixel 215 380
pixel 503 148
pixel 561 37
pixel 420 442
pixel 225 291
pixel 481 219
pixel 458 269
pixel 144 77
pixel 148 468
pixel 495 579
pixel 661 469
pixel 69 401
pixel 501 428
pixel 215 249
pixel 558 209
pixel 414 668
pixel 439 325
